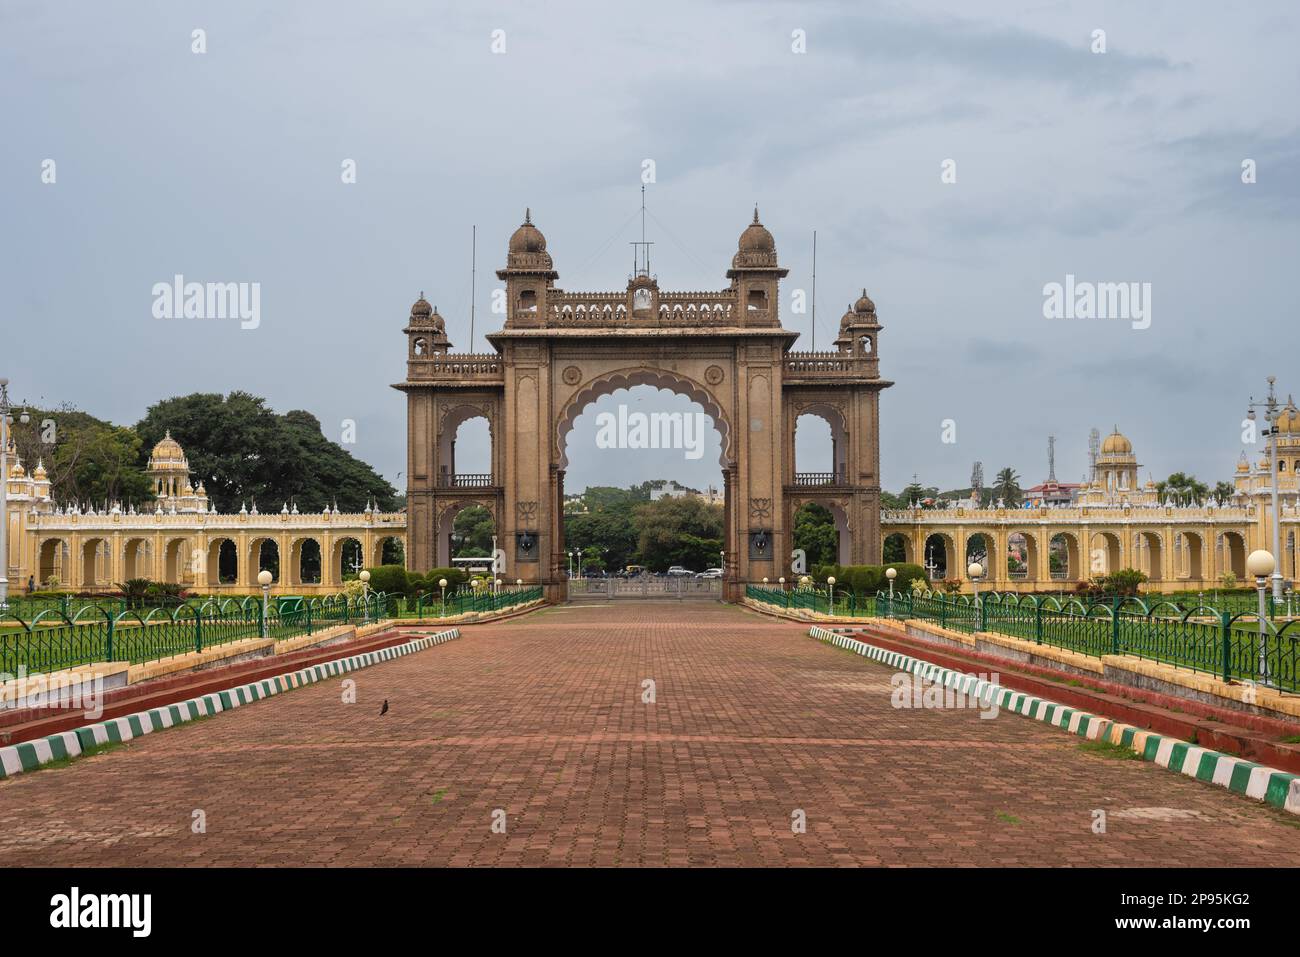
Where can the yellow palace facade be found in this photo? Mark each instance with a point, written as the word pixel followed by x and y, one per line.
pixel 184 540
pixel 1116 523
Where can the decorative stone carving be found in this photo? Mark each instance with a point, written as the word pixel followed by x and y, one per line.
pixel 714 374
pixel 760 508
pixel 526 511
pixel 572 375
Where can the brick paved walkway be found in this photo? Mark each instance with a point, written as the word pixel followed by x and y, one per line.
pixel 542 717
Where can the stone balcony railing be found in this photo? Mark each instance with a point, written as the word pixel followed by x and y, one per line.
pixel 458 366
pixel 829 365
pixel 465 480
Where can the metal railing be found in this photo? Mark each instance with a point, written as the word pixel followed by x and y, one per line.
pixel 52 639
pixel 1233 645
pixel 461 601
pixel 813 598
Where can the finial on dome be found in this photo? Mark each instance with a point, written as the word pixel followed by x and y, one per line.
pixel 756 212
pixel 528 216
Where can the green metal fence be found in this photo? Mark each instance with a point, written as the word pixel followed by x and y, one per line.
pixel 1239 645
pixel 462 601
pixel 51 639
pixel 815 598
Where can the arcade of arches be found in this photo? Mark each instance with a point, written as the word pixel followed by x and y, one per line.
pixel 185 541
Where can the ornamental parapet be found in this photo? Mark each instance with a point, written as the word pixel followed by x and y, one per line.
pixel 469 367
pixel 194 521
pixel 1073 515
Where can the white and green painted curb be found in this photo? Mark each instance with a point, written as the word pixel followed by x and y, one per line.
pixel 30 755
pixel 1278 788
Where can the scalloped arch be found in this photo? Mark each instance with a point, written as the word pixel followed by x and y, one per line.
pixel 610 382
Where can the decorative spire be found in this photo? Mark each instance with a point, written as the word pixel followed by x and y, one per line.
pixel 756 220
pixel 528 216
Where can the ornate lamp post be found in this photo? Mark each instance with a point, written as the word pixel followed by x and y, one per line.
pixel 442 583
pixel 519 584
pixel 782 580
pixel 830 580
pixel 1272 412
pixel 6 420
pixel 1260 565
pixel 365 593
pixel 264 579
pixel 891 574
pixel 976 571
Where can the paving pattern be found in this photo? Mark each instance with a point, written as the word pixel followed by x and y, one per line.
pixel 539 724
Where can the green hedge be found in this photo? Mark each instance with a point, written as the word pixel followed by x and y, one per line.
pixel 396 580
pixel 868 579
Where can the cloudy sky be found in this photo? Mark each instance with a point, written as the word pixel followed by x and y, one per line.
pixel 1122 166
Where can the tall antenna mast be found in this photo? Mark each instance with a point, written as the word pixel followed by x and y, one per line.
pixel 1094 448
pixel 814 293
pixel 1051 459
pixel 473 281
pixel 641 250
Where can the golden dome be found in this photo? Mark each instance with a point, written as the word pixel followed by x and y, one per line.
pixel 40 474
pixel 1243 464
pixel 864 305
pixel 168 454
pixel 1116 444
pixel 1289 421
pixel 16 471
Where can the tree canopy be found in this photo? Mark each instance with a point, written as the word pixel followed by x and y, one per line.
pixel 244 452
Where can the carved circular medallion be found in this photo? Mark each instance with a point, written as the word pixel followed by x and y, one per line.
pixel 572 375
pixel 713 375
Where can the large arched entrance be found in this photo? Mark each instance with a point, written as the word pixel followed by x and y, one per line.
pixel 559 351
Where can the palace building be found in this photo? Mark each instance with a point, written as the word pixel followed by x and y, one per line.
pixel 1114 521
pixel 183 539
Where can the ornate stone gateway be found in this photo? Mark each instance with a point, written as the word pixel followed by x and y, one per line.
pixel 560 351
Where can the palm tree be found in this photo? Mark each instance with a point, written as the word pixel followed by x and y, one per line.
pixel 1006 486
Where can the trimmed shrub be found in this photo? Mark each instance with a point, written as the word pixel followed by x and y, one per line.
pixel 390 579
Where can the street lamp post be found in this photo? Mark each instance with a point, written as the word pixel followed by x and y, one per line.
pixel 1260 564
pixel 6 421
pixel 264 578
pixel 976 571
pixel 570 554
pixel 442 583
pixel 830 580
pixel 891 573
pixel 1272 413
pixel 365 594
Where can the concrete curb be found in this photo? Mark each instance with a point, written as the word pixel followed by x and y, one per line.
pixel 30 755
pixel 1278 788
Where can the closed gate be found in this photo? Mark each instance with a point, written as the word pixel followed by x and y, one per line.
pixel 669 589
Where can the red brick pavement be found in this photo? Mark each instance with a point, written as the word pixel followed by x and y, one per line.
pixel 542 717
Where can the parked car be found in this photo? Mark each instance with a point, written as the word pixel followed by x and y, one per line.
pixel 677 571
pixel 710 573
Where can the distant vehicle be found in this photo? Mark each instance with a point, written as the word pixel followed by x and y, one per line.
pixel 710 573
pixel 678 571
pixel 473 566
pixel 633 570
